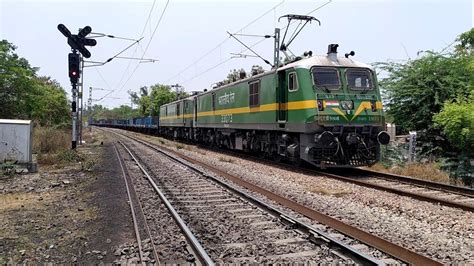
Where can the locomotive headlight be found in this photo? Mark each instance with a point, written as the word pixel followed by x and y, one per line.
pixel 347 105
pixel 383 138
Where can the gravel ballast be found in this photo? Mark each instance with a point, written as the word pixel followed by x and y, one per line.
pixel 443 233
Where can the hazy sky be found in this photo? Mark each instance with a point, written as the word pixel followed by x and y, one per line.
pixel 375 30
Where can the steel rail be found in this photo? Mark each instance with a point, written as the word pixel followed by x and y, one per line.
pixel 202 255
pixel 134 218
pixel 312 233
pixel 423 197
pixel 392 249
pixel 147 228
pixel 464 191
pixel 397 191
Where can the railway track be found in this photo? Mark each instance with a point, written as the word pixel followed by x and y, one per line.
pixel 196 252
pixel 394 250
pixel 140 226
pixel 443 194
pixel 424 190
pixel 268 235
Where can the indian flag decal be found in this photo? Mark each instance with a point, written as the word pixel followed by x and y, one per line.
pixel 331 103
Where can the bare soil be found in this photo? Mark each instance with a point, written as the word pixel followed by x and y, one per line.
pixel 64 214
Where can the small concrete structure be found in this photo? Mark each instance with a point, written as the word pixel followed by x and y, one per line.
pixel 16 142
pixel 392 131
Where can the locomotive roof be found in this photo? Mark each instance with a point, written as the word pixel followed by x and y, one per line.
pixel 322 60
pixel 316 60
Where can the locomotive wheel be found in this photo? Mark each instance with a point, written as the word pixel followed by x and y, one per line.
pixel 276 157
pixel 298 162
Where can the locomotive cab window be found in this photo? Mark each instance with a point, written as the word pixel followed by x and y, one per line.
pixel 177 109
pixel 326 78
pixel 254 89
pixel 359 79
pixel 292 82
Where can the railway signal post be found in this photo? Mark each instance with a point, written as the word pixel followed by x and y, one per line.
pixel 77 42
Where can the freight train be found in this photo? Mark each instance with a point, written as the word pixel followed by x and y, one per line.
pixel 324 110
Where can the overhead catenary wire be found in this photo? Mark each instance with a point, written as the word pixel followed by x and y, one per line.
pixel 115 56
pixel 251 46
pixel 250 49
pixel 148 45
pixel 221 63
pixel 99 35
pixel 141 35
pixel 144 52
pixel 223 41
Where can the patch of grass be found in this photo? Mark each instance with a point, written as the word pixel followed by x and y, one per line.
pixel 7 169
pixel 179 146
pixel 329 192
pixel 68 156
pixel 46 158
pixel 50 140
pixel 226 160
pixel 427 171
pixel 89 163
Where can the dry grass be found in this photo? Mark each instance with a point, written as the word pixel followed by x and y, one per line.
pixel 226 159
pixel 50 140
pixel 326 191
pixel 52 145
pixel 427 171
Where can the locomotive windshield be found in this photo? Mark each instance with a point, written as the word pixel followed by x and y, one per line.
pixel 359 79
pixel 326 78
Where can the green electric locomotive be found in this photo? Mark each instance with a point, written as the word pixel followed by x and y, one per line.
pixel 324 110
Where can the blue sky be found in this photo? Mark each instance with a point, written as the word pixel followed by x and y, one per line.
pixel 375 30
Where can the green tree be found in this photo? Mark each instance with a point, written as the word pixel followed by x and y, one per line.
pixel 16 76
pixel 24 95
pixel 161 94
pixel 417 89
pixel 150 99
pixel 142 100
pixel 433 94
pixel 233 75
pixel 47 102
pixel 456 120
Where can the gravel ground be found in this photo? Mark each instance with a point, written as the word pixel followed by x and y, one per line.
pixel 63 214
pixel 442 233
pixel 227 236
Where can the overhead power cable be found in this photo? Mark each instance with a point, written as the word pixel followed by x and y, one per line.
pixel 223 41
pixel 148 45
pixel 141 36
pixel 221 63
pixel 115 56
pixel 250 49
pixel 146 48
pixel 239 31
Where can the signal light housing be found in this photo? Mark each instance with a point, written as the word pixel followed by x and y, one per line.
pixel 74 62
